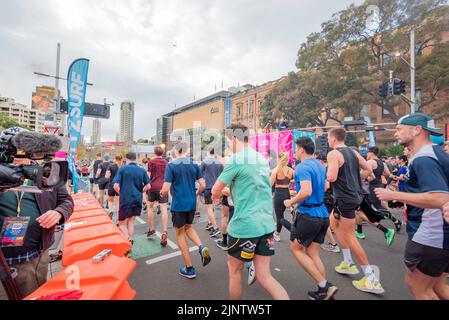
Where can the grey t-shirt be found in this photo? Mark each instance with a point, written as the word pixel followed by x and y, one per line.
pixel 211 169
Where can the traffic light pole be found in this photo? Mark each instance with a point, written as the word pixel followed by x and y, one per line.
pixel 412 71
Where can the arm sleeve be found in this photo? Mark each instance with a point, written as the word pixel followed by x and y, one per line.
pixel 168 176
pixel 431 177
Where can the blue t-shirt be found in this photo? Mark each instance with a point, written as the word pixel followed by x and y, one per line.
pixel 182 174
pixel 312 170
pixel 211 168
pixel 402 170
pixel 427 226
pixel 131 179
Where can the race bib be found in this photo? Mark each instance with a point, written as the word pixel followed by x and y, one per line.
pixel 13 231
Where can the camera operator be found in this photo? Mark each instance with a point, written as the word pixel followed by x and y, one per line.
pixel 30 257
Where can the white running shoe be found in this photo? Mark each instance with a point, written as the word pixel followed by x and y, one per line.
pixel 277 237
pixel 251 274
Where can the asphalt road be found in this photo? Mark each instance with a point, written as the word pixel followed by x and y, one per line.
pixel 160 280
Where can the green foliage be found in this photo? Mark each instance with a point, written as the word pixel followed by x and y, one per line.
pixel 341 67
pixel 392 151
pixel 6 122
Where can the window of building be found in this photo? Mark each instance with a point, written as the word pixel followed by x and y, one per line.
pixel 239 110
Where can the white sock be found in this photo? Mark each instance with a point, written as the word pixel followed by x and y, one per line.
pixel 322 284
pixel 369 274
pixel 347 256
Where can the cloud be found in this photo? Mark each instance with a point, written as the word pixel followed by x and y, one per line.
pixel 156 53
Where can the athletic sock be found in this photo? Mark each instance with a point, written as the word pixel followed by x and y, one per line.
pixel 382 228
pixel 347 256
pixel 359 228
pixel 369 274
pixel 225 238
pixel 322 284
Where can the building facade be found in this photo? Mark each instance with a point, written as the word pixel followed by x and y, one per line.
pixel 33 119
pixel 127 122
pixel 96 132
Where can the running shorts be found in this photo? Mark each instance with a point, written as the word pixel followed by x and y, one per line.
pixel 307 229
pixel 156 196
pixel 345 209
pixel 245 249
pixel 127 213
pixel 111 191
pixel 431 261
pixel 208 196
pixel 180 219
pixel 103 184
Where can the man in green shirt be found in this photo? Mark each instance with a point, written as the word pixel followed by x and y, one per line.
pixel 251 228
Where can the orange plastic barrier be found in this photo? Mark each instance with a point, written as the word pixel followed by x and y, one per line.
pixel 79 215
pixel 106 280
pixel 85 241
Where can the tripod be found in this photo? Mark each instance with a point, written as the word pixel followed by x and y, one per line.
pixel 7 280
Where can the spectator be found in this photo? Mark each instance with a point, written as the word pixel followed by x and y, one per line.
pixel 31 258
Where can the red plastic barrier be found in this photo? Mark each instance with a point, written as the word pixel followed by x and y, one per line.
pixel 106 280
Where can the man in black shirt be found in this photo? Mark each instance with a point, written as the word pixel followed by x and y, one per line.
pixel 112 194
pixel 103 182
pixel 344 175
pixel 93 169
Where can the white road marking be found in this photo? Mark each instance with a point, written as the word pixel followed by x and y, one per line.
pixel 168 256
pixel 170 243
pixel 140 220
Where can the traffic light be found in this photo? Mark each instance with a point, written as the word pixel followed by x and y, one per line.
pixel 383 90
pixel 322 146
pixel 398 87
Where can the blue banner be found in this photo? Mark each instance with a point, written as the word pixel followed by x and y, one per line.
pixel 76 95
pixel 298 134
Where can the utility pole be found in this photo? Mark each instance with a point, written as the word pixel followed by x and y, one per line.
pixel 57 97
pixel 412 71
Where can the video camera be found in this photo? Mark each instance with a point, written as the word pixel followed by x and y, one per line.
pixel 18 143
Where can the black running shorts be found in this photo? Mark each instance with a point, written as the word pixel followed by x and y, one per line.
pixel 127 213
pixel 111 191
pixel 245 249
pixel 180 219
pixel 103 184
pixel 345 209
pixel 156 196
pixel 431 261
pixel 208 196
pixel 307 229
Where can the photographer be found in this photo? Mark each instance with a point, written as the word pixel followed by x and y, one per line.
pixel 45 210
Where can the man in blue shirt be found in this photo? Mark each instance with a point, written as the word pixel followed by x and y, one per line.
pixel 312 218
pixel 426 191
pixel 130 182
pixel 180 177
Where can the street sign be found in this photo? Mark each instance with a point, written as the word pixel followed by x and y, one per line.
pixel 51 130
pixel 91 110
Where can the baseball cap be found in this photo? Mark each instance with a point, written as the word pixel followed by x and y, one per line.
pixel 423 120
pixel 106 157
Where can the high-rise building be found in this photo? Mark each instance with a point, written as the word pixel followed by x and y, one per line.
pixel 33 119
pixel 43 99
pixel 96 132
pixel 127 122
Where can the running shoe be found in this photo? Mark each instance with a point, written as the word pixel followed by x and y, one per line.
pixel 190 274
pixel 367 286
pixel 208 226
pixel 220 243
pixel 326 293
pixel 398 225
pixel 151 234
pixel 111 214
pixel 144 206
pixel 164 239
pixel 360 235
pixel 214 233
pixel 251 274
pixel 158 210
pixel 197 214
pixel 277 237
pixel 389 237
pixel 204 253
pixel 344 268
pixel 330 247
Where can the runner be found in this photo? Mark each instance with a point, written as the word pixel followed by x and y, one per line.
pixel 211 169
pixel 103 182
pixel 427 251
pixel 129 182
pixel 112 195
pixel 332 246
pixel 180 177
pixel 344 175
pixel 312 218
pixel 156 172
pixel 93 171
pixel 250 231
pixel 280 178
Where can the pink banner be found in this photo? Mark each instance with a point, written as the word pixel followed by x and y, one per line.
pixel 277 142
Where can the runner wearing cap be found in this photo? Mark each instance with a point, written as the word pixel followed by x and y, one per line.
pixel 426 192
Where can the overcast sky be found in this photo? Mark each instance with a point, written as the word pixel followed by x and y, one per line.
pixel 153 52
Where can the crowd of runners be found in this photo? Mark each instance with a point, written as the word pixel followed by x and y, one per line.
pixel 336 193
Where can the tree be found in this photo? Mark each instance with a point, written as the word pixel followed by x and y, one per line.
pixel 341 67
pixel 7 122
